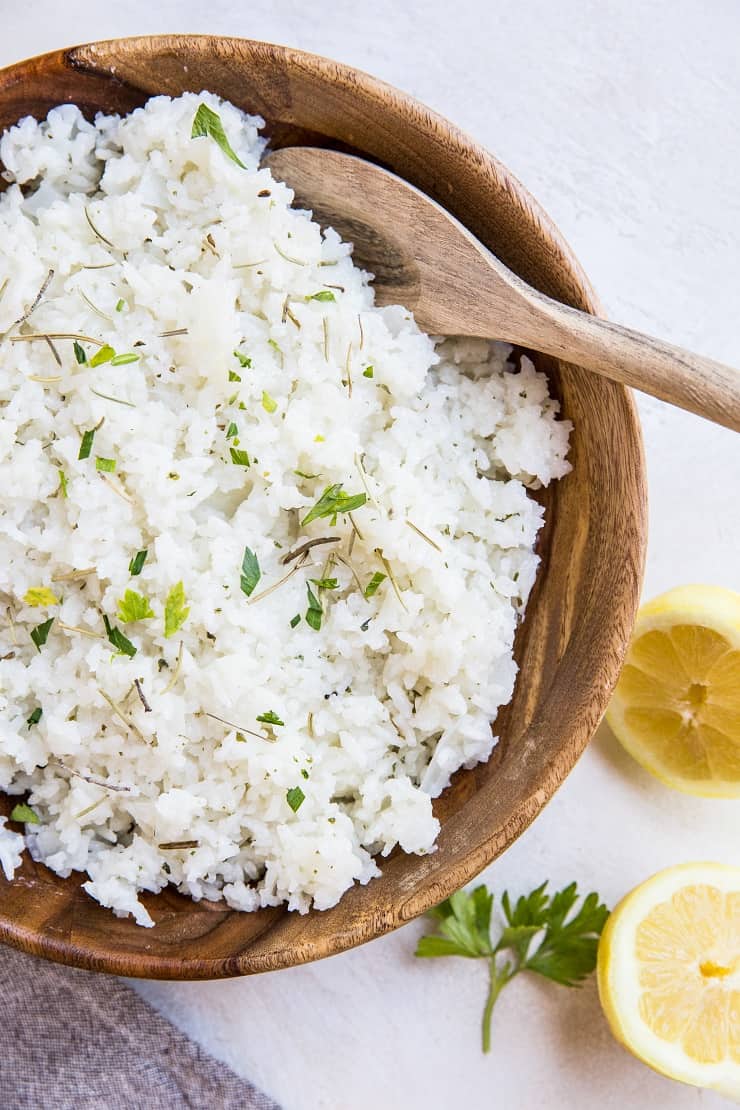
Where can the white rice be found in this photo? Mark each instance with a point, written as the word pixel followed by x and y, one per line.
pixel 393 693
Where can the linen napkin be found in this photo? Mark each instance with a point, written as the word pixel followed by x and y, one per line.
pixel 74 1040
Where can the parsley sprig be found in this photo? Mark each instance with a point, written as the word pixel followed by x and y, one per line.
pixel 541 934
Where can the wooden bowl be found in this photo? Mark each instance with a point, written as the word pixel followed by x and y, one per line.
pixel 572 643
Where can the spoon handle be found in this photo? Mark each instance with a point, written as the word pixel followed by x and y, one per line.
pixel 690 381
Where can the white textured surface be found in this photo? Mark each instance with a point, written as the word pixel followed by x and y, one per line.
pixel 621 118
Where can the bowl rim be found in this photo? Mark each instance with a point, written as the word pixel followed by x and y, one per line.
pixel 539 224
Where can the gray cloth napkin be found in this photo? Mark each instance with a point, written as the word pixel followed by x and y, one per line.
pixel 73 1040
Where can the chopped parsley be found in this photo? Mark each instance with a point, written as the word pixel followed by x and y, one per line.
pixel 295 798
pixel 233 376
pixel 39 596
pixel 86 444
pixel 251 572
pixel 372 586
pixel 208 123
pixel 232 430
pixel 323 295
pixel 79 351
pixel 105 354
pixel 137 563
pixel 106 465
pixel 27 815
pixel 268 404
pixel 175 610
pixel 124 359
pixel 270 718
pixel 134 607
pixel 367 372
pixel 333 501
pixel 239 457
pixel 120 305
pixel 35 716
pixel 244 361
pixel 120 642
pixel 296 620
pixel 62 483
pixel 315 612
pixel 326 583
pixel 40 633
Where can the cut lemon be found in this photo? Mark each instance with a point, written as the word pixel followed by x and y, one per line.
pixel 676 707
pixel 669 974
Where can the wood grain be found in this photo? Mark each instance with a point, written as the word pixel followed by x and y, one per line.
pixel 570 647
pixel 424 258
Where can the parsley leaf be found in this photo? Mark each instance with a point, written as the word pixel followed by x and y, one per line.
pixel 268 404
pixel 38 597
pixel 233 376
pixel 326 583
pixel 333 501
pixel 120 305
pixel 25 814
pixel 137 563
pixel 40 634
pixel 251 572
pixel 296 798
pixel 121 643
pixel 368 372
pixel 232 430
pixel 207 122
pixel 565 951
pixel 175 610
pixel 295 620
pixel 105 354
pixel 86 444
pixel 239 457
pixel 134 607
pixel 244 361
pixel 315 612
pixel 35 717
pixel 79 351
pixel 270 718
pixel 107 466
pixel 124 359
pixel 323 295
pixel 372 586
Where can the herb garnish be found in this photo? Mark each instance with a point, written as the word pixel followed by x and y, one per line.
pixel 244 361
pixel 232 430
pixel 39 596
pixel 295 620
pixel 40 633
pixel 239 457
pixel 251 572
pixel 134 607
pixel 295 798
pixel 323 295
pixel 105 354
pixel 120 305
pixel 124 359
pixel 315 612
pixel 175 610
pixel 308 477
pixel 326 583
pixel 25 814
pixel 120 642
pixel 333 501
pixel 269 718
pixel 137 563
pixel 62 482
pixel 35 717
pixel 86 444
pixel 208 123
pixel 106 465
pixel 268 404
pixel 79 351
pixel 304 547
pixel 372 586
pixel 233 376
pixel 566 952
pixel 368 372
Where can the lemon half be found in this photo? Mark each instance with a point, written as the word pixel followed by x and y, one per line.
pixel 676 707
pixel 669 974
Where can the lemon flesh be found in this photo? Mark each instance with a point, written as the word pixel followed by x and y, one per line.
pixel 669 974
pixel 676 707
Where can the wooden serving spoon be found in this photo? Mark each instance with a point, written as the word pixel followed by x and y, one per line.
pixel 424 259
